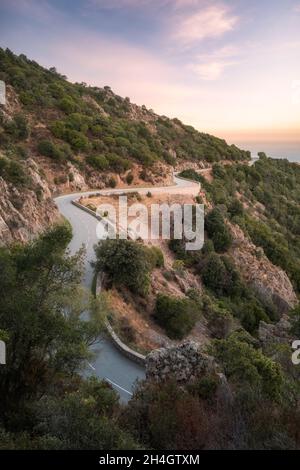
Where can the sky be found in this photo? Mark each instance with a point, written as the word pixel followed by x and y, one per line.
pixel 230 68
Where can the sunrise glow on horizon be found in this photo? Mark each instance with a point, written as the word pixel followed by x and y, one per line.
pixel 230 68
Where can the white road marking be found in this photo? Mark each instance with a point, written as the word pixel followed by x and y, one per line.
pixel 92 367
pixel 118 386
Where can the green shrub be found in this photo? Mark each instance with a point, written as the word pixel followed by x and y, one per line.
pixel 169 158
pixel 77 140
pixel 56 90
pixel 118 164
pixel 13 172
pixel 67 105
pixel 168 275
pixel 205 387
pixel 124 262
pixel 236 208
pixel 22 152
pixel 247 366
pixel 155 256
pixel 99 162
pixel 220 275
pixel 220 320
pixel 112 183
pixel 143 175
pixel 62 179
pixel 177 246
pixel 218 230
pixel 176 316
pixel 18 127
pixel 179 266
pixel 58 129
pixel 49 149
pixel 214 273
pixel 129 178
pixel 218 170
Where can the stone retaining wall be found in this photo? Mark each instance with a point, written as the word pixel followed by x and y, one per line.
pixel 128 352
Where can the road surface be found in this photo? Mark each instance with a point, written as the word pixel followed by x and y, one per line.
pixel 109 363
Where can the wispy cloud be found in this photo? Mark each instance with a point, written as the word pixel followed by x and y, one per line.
pixel 211 70
pixel 206 22
pixel 211 66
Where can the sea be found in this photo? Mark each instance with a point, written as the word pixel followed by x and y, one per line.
pixel 290 151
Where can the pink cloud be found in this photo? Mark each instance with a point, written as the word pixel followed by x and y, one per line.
pixel 211 66
pixel 208 22
pixel 211 70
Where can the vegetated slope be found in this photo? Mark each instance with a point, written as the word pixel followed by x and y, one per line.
pixel 76 136
pixel 246 273
pixel 261 206
pixel 239 393
pixel 249 400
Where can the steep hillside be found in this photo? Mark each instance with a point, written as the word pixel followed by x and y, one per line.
pixel 74 137
pixel 246 275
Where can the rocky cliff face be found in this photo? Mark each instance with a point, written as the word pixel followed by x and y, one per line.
pixel 24 212
pixel 184 363
pixel 278 333
pixel 270 282
pixel 187 363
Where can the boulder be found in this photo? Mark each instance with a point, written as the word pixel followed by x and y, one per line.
pixel 184 362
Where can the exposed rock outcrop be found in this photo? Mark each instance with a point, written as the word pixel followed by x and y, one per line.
pixel 270 282
pixel 200 165
pixel 23 214
pixel 278 333
pixel 184 363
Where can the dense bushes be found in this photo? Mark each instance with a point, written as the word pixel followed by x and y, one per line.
pixel 220 320
pixel 235 208
pixel 155 256
pixel 218 230
pixel 177 316
pixel 67 105
pixel 118 164
pixel 275 185
pixel 13 172
pixel 193 175
pixel 128 263
pixel 99 162
pixel 243 414
pixel 129 178
pixel 49 149
pixel 124 262
pixel 17 127
pixel 248 366
pixel 45 403
pixel 36 281
pixel 220 275
pixel 93 119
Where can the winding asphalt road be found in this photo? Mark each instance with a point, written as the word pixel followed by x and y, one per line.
pixel 109 363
